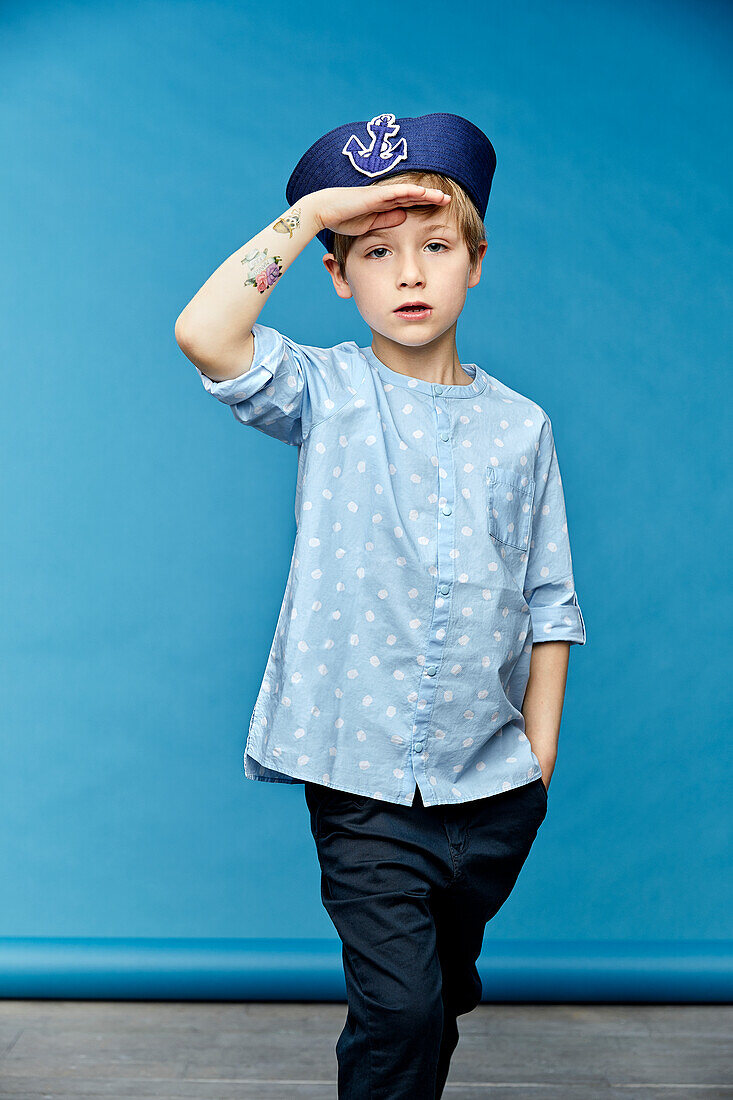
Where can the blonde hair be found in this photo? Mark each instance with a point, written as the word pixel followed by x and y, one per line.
pixel 465 214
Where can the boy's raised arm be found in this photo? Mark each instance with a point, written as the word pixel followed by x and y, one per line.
pixel 215 329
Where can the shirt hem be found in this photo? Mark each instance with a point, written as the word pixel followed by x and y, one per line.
pixel 290 777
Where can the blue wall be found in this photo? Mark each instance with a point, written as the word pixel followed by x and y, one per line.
pixel 147 535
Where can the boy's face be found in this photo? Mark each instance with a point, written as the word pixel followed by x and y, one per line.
pixel 424 259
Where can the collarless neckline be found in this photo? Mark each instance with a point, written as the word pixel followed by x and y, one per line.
pixel 406 381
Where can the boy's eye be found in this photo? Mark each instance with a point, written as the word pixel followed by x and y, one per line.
pixel 381 248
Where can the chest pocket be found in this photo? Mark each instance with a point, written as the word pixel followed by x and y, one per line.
pixel 509 497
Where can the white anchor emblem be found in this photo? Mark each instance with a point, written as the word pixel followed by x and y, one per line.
pixel 381 156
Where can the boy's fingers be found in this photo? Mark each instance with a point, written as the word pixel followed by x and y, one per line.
pixel 394 198
pixel 396 187
pixel 430 194
pixel 402 190
pixel 418 202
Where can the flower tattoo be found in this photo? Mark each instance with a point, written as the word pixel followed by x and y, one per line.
pixel 263 271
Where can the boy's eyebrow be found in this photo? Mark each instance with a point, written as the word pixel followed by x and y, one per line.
pixel 386 229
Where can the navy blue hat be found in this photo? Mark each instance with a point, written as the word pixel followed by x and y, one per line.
pixel 353 154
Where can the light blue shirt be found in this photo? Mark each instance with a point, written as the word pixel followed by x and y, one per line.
pixel 431 553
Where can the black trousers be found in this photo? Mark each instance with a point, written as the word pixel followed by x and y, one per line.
pixel 409 890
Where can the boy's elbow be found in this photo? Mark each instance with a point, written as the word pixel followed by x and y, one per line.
pixel 194 341
pixel 183 336
pixel 219 364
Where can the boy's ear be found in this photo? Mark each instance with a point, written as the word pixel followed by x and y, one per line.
pixel 340 284
pixel 475 276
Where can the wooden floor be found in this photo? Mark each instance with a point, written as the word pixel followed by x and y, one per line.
pixel 178 1051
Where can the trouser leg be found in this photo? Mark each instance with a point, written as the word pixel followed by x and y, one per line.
pixel 498 835
pixel 458 942
pixel 380 863
pixel 389 1046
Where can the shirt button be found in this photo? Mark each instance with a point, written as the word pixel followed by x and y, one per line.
pixel 444 589
pixel 444 435
pixel 419 747
pixel 447 510
pixel 431 670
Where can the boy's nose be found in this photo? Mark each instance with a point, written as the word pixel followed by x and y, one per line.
pixel 411 276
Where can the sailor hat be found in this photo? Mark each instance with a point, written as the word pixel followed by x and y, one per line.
pixel 358 152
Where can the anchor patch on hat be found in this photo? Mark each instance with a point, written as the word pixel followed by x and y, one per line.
pixel 381 156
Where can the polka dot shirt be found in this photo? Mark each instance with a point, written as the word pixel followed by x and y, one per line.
pixel 431 553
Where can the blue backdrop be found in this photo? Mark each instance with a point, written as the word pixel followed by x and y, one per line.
pixel 147 536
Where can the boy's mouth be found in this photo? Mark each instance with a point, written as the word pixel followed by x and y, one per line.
pixel 414 310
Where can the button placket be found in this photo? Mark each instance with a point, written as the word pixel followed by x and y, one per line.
pixel 444 580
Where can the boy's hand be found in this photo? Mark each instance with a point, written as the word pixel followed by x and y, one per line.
pixel 356 210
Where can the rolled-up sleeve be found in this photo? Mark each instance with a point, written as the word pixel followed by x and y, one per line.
pixel 273 395
pixel 549 585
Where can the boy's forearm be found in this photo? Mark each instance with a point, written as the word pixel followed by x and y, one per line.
pixel 222 312
pixel 543 701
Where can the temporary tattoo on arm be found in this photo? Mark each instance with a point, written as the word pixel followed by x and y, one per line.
pixel 288 222
pixel 263 271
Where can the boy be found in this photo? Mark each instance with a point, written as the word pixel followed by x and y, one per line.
pixel 404 687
